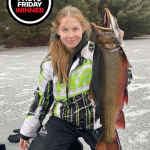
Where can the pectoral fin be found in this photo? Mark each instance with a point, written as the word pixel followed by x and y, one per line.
pixel 126 96
pixel 120 124
pixel 125 58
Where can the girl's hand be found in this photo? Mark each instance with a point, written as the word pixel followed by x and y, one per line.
pixel 122 32
pixel 24 144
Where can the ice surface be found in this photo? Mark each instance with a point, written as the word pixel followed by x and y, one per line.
pixel 19 72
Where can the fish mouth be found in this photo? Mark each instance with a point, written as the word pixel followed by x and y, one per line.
pixel 108 23
pixel 105 33
pixel 107 19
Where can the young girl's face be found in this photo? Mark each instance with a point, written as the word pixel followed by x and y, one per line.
pixel 70 31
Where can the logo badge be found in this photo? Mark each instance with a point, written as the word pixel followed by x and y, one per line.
pixel 29 12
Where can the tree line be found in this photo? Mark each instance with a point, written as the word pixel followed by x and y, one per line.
pixel 133 17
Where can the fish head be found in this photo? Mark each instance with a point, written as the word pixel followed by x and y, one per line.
pixel 109 36
pixel 110 32
pixel 111 22
pixel 103 37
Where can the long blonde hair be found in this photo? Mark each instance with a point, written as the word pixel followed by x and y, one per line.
pixel 59 54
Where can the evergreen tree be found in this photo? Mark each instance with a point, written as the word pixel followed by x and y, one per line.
pixel 115 6
pixel 134 19
pixel 81 5
pixel 101 9
pixel 94 15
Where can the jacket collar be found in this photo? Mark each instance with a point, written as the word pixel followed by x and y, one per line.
pixel 81 45
pixel 86 53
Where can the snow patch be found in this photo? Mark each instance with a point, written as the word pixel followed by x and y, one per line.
pixel 146 98
pixel 15 68
pixel 134 87
pixel 141 137
pixel 137 113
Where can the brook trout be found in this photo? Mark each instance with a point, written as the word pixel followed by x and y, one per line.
pixel 108 87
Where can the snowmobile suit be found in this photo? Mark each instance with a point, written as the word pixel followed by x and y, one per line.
pixel 77 108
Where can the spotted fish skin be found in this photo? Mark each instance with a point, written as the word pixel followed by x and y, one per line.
pixel 109 82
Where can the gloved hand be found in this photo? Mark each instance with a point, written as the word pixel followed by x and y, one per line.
pixel 16 137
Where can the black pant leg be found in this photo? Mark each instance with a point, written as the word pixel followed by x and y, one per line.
pixel 60 135
pixel 2 147
pixel 76 145
pixel 37 144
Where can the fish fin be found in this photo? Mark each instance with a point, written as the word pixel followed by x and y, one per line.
pixel 120 124
pixel 126 59
pixel 102 145
pixel 126 96
pixel 91 92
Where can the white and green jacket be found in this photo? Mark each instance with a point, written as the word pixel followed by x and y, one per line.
pixel 68 103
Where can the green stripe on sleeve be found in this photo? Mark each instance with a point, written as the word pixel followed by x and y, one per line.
pixel 28 116
pixel 41 98
pixel 48 93
pixel 42 74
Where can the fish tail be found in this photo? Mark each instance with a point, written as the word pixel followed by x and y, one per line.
pixel 101 145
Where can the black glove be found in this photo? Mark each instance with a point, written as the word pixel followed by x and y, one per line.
pixel 16 137
pixel 2 147
pixel 16 130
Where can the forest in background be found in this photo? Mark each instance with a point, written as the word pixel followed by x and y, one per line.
pixel 133 17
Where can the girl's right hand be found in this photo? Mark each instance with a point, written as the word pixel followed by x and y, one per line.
pixel 24 144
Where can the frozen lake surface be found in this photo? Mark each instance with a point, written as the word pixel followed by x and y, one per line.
pixel 19 71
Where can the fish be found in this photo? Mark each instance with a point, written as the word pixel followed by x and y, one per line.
pixel 108 86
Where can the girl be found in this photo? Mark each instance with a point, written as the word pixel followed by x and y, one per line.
pixel 63 87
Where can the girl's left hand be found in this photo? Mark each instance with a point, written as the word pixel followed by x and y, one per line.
pixel 24 144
